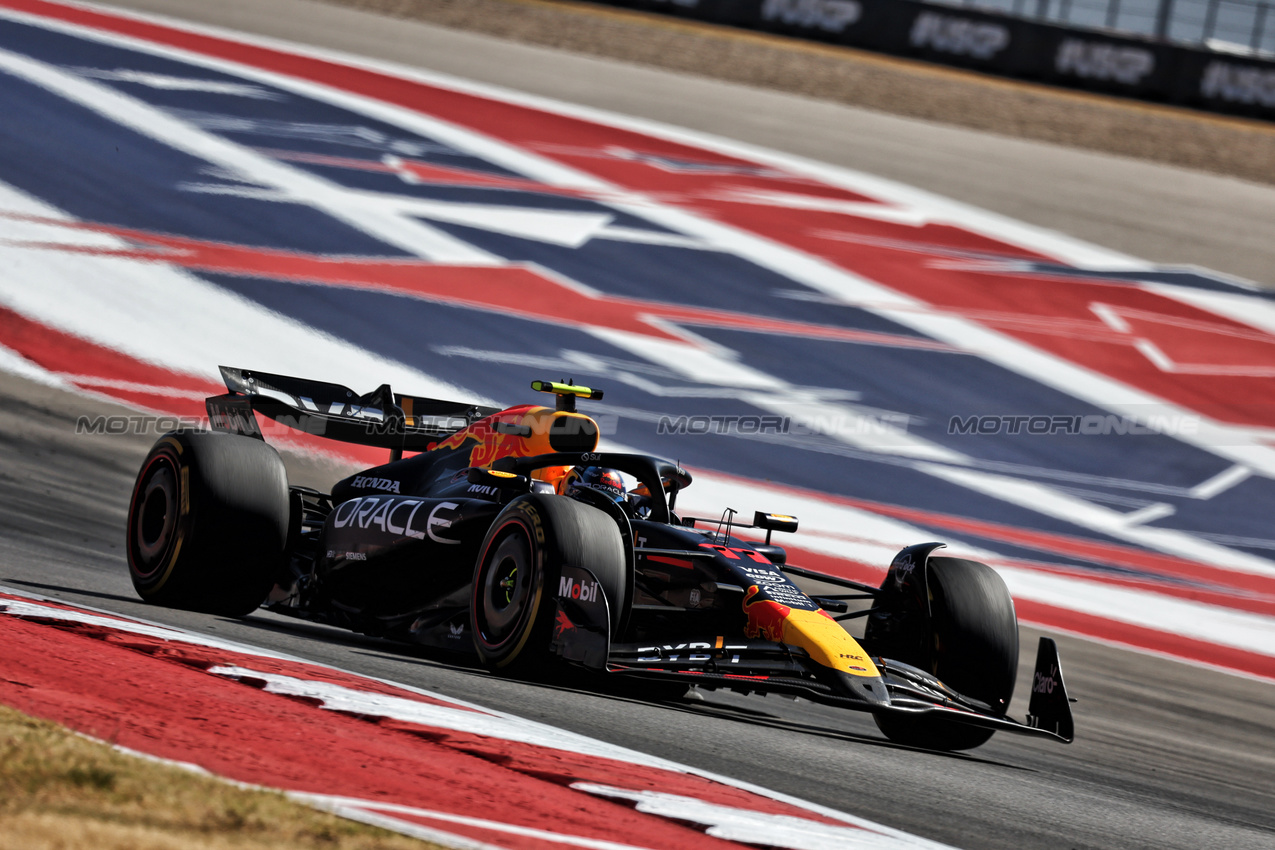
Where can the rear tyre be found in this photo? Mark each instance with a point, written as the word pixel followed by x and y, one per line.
pixel 516 577
pixel 208 522
pixel 972 647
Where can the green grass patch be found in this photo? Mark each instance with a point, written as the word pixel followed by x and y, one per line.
pixel 60 790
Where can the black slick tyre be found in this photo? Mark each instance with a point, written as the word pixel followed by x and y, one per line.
pixel 516 577
pixel 208 522
pixel 972 647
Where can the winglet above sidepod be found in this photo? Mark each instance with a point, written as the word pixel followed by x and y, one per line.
pixel 1050 709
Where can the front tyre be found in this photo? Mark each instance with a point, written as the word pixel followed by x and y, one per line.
pixel 970 643
pixel 208 522
pixel 516 576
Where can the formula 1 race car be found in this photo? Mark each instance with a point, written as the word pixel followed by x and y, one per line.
pixel 506 534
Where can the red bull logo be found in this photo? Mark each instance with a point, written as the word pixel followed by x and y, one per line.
pixel 765 617
pixel 523 431
pixel 610 478
pixel 485 443
pixel 497 436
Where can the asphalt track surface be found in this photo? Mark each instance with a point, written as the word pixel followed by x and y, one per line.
pixel 1168 755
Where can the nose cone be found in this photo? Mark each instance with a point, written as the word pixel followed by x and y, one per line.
pixel 827 642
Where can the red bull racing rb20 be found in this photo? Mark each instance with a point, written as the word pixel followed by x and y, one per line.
pixel 506 534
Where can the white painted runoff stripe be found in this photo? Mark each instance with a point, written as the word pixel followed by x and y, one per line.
pixel 931 207
pixel 31 605
pixel 352 811
pixel 20 608
pixel 707 364
pixel 816 273
pixel 15 364
pixel 850 533
pixel 1234 443
pixel 1062 505
pixel 1220 483
pixel 462 717
pixel 1183 617
pixel 729 823
pixel 909 202
pixel 438 836
pixel 1238 445
pixel 338 698
pixel 1006 351
pixel 1255 312
pixel 356 806
pixel 825 526
pixel 747 827
pixel 845 532
pixel 246 164
pixel 130 307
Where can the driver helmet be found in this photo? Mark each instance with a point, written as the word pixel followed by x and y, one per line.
pixel 606 481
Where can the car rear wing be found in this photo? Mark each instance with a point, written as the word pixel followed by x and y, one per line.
pixel 381 418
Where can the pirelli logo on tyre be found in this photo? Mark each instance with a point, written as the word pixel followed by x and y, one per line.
pixel 533 519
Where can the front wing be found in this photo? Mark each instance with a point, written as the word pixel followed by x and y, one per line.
pixel 765 667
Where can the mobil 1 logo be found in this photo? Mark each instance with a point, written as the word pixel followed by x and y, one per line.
pixel 581 591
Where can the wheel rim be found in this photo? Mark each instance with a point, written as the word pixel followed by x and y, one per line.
pixel 506 588
pixel 154 517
